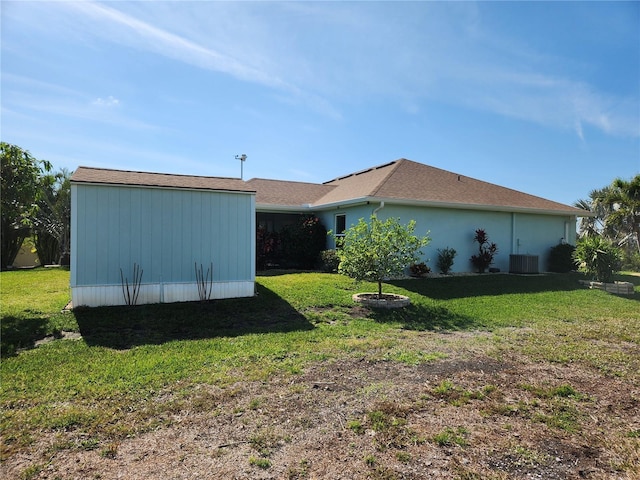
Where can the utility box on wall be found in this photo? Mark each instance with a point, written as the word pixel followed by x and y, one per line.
pixel 523 264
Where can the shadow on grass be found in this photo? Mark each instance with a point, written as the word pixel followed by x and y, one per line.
pixel 425 317
pixel 635 279
pixel 277 272
pixel 490 284
pixel 21 333
pixel 126 327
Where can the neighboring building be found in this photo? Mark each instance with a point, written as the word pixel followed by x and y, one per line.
pixel 27 257
pixel 166 224
pixel 447 205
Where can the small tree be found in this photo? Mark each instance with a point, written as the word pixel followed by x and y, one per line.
pixel 377 250
pixel 486 251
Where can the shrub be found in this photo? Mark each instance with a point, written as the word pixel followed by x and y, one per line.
pixel 445 260
pixel 268 246
pixel 486 251
pixel 329 260
pixel 598 258
pixel 561 258
pixel 419 269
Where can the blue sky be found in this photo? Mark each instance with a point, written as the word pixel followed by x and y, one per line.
pixel 540 97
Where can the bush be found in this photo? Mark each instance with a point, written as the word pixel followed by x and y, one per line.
pixel 268 246
pixel 329 261
pixel 561 258
pixel 486 251
pixel 598 258
pixel 419 269
pixel 445 260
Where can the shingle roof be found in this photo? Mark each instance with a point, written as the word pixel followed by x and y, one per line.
pixel 290 194
pixel 148 179
pixel 403 180
pixel 407 181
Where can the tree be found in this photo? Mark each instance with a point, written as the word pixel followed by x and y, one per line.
pixel 51 223
pixel 19 194
pixel 623 201
pixel 592 225
pixel 617 214
pixel 378 250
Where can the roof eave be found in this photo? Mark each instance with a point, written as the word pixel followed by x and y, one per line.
pixel 166 187
pixel 308 207
pixel 457 206
pixel 269 207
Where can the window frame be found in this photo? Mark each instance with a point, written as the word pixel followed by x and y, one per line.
pixel 343 216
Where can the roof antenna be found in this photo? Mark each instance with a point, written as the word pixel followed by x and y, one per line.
pixel 242 158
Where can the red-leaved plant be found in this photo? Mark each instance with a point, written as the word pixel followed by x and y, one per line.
pixel 486 251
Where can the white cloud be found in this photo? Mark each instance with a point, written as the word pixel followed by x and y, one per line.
pixel 329 56
pixel 579 131
pixel 110 101
pixel 123 28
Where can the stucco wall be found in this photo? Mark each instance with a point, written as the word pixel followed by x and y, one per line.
pixel 514 233
pixel 165 231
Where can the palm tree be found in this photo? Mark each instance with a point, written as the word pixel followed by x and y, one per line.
pixel 51 225
pixel 593 226
pixel 623 200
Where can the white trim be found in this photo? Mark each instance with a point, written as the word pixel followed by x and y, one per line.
pixel 73 236
pixel 110 295
pixel 167 187
pixel 263 207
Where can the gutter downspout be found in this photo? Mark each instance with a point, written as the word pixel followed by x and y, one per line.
pixel 379 208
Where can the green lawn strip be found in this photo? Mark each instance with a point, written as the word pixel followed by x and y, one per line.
pixel 127 373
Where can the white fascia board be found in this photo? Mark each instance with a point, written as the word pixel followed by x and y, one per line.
pixel 308 207
pixel 267 207
pixel 455 206
pixel 160 187
pixel 416 203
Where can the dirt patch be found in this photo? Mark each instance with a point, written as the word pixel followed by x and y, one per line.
pixel 471 417
pixel 62 335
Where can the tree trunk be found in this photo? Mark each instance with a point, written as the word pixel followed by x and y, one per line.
pixel 380 289
pixel 11 241
pixel 48 248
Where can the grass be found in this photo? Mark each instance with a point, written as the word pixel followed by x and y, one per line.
pixel 32 303
pixel 450 437
pixel 106 385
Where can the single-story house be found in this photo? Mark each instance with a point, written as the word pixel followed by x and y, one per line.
pixel 166 225
pixel 164 228
pixel 448 205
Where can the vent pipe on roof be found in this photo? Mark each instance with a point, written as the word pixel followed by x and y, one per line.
pixel 379 208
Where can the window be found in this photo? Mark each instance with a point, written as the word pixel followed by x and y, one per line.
pixel 341 224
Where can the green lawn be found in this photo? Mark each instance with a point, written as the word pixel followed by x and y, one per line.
pixel 101 383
